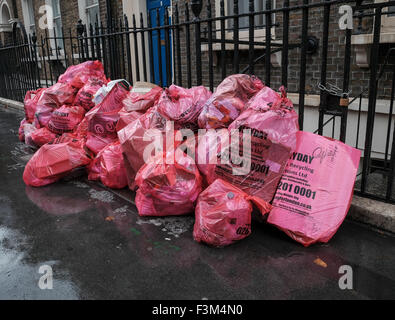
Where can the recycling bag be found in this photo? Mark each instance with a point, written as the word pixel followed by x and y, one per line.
pixel 315 192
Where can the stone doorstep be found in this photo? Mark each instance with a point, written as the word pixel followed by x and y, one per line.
pixel 378 214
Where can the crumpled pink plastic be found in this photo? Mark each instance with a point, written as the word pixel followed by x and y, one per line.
pixel 65 119
pixel 85 94
pixel 135 101
pixel 133 143
pixel 54 161
pixel 30 103
pixel 126 117
pixel 104 117
pixel 223 214
pixel 273 138
pixel 52 98
pixel 167 189
pixel 183 106
pixel 108 167
pixel 42 136
pixel 228 101
pixel 315 193
pixel 78 75
pixel 21 131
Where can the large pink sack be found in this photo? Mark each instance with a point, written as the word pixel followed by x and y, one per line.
pixel 52 98
pixel 133 142
pixel 30 103
pixel 139 101
pixel 85 95
pixel 183 106
pixel 228 101
pixel 65 119
pixel 108 167
pixel 273 139
pixel 315 192
pixel 104 117
pixel 79 75
pixel 167 189
pixel 223 214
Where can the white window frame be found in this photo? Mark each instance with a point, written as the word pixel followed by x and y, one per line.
pixel 28 15
pixel 387 23
pixel 259 34
pixel 83 12
pixel 51 34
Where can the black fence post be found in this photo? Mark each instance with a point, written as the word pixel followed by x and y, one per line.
pixel 372 98
pixel 196 6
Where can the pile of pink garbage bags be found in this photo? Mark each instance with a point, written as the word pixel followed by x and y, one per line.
pixel 218 155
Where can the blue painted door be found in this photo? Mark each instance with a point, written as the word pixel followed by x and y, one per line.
pixel 152 5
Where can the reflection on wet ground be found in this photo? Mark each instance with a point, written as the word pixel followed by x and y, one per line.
pixel 99 248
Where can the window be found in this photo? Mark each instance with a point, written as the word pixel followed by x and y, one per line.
pixel 28 16
pixel 31 24
pixel 259 21
pixel 92 12
pixel 259 5
pixel 57 22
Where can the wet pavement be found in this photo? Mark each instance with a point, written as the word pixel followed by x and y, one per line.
pixel 99 248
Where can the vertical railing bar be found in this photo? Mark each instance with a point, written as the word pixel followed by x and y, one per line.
pixel 325 36
pixel 284 54
pixel 223 45
pixel 136 49
pixel 210 47
pixel 128 52
pixel 122 57
pixel 167 46
pixel 305 21
pixel 150 47
pixel 251 32
pixel 178 46
pixel 268 37
pixel 236 58
pixel 188 46
pixel 159 47
pixel 372 98
pixel 346 82
pixel 143 46
pixel 390 179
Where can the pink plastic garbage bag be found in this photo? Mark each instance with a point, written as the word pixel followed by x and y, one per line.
pixel 85 95
pixel 273 139
pixel 133 142
pixel 183 106
pixel 141 98
pixel 315 192
pixel 228 101
pixel 223 214
pixel 79 75
pixel 65 119
pixel 167 189
pixel 54 161
pixel 104 117
pixel 21 131
pixel 30 103
pixel 108 167
pixel 42 136
pixel 52 98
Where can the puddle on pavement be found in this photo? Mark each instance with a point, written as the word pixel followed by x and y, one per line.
pixel 20 280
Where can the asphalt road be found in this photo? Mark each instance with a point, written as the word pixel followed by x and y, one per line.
pixel 99 248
